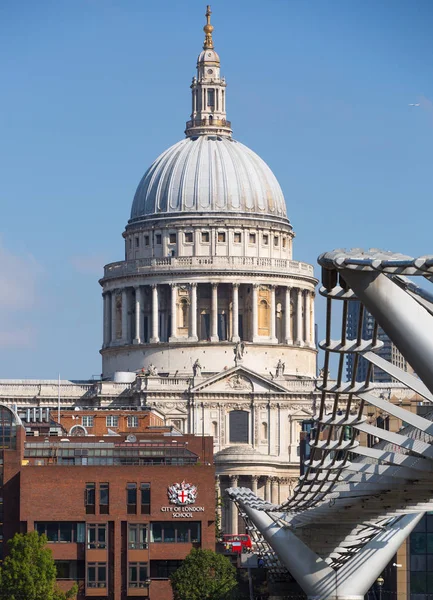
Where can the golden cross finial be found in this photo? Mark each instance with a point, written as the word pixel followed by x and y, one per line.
pixel 208 28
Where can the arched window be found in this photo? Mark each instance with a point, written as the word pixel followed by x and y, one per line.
pixel 119 317
pixel 264 432
pixel 238 426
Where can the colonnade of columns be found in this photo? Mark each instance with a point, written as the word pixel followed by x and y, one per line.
pixel 270 491
pixel 297 314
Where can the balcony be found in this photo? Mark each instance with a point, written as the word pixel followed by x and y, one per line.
pixel 208 123
pixel 250 264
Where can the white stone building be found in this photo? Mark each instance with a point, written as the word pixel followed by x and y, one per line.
pixel 208 319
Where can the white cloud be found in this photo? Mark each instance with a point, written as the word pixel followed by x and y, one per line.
pixel 88 265
pixel 19 276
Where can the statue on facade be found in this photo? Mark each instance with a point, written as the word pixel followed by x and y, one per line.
pixel 152 370
pixel 280 368
pixel 196 368
pixel 238 351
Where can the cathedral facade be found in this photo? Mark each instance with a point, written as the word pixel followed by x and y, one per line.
pixel 208 319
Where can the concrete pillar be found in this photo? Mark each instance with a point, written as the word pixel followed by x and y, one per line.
pixel 113 316
pixel 173 336
pixel 254 483
pixel 273 315
pixel 137 338
pixel 193 314
pixel 268 489
pixel 107 319
pixel 299 324
pixel 255 315
pixel 234 510
pixel 307 318
pixel 275 484
pixel 155 314
pixel 124 315
pixel 288 333
pixel 235 313
pixel 218 499
pixel 214 314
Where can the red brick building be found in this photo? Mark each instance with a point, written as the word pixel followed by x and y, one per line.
pixel 120 512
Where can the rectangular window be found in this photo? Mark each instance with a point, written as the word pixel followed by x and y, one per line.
pixel 211 98
pixel 96 575
pixel 188 237
pixel 172 238
pixel 265 239
pixel 137 536
pixel 130 243
pixel 162 569
pixel 276 240
pixel 145 498
pixel 137 242
pixel 89 498
pixel 284 242
pixel 175 533
pixel 221 236
pixel 137 575
pixel 146 240
pixel 252 238
pixel 131 498
pixel 104 498
pixel 70 569
pixel 87 421
pixel 112 421
pixel 205 237
pixel 132 421
pixel 61 531
pixel 237 237
pixel 96 536
pixel 158 238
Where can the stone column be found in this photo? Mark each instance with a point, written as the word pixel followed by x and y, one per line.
pixel 137 338
pixel 113 316
pixel 273 316
pixel 255 315
pixel 235 313
pixel 299 324
pixel 173 336
pixel 313 324
pixel 307 318
pixel 288 334
pixel 214 315
pixel 124 315
pixel 155 314
pixel 254 484
pixel 234 509
pixel 107 319
pixel 275 484
pixel 193 314
pixel 268 489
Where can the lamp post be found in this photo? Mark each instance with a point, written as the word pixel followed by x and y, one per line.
pixel 380 581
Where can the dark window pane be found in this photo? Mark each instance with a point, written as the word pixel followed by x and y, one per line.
pixel 157 532
pixel 418 543
pixel 238 426
pixel 195 532
pixel 418 583
pixel 417 563
pixel 182 532
pixel 66 532
pixel 169 532
pixel 53 532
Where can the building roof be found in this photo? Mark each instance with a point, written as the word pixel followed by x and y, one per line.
pixel 208 174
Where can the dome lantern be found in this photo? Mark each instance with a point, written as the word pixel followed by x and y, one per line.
pixel 208 92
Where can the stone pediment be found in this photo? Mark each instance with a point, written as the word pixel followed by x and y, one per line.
pixel 237 380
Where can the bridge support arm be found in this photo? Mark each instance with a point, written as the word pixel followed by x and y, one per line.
pixel 318 580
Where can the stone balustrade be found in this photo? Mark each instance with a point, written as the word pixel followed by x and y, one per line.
pixel 197 263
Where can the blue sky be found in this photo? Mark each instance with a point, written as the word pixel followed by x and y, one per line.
pixel 94 90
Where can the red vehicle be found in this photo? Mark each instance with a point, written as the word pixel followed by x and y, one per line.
pixel 237 542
